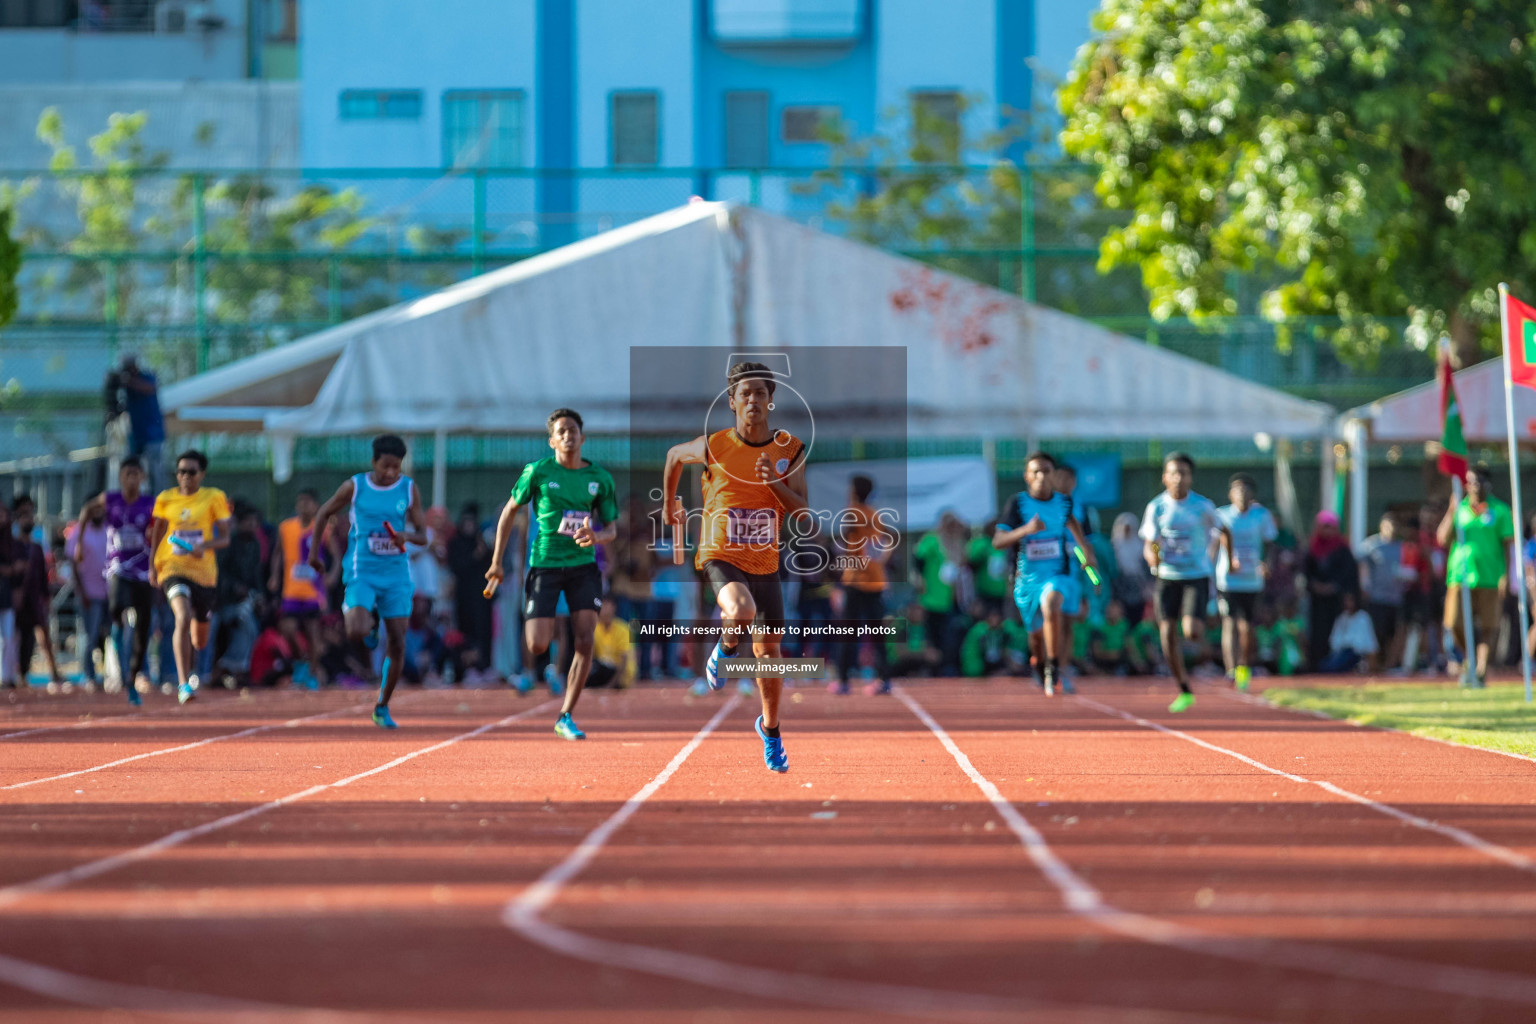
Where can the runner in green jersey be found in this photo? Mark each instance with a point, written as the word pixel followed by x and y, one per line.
pixel 568 493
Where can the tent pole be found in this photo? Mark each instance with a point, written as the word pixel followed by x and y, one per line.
pixel 440 469
pixel 1354 433
pixel 1325 497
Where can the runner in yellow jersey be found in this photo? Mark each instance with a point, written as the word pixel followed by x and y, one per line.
pixel 754 476
pixel 191 522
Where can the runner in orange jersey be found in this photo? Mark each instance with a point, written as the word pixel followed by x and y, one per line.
pixel 754 476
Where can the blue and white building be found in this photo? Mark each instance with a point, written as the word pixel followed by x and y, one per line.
pixel 585 113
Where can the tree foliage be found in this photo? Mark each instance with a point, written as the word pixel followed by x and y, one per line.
pixel 1366 159
pixel 10 266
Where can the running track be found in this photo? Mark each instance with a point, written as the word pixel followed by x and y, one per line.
pixel 958 852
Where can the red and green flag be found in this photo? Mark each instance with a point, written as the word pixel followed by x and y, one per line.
pixel 1453 442
pixel 1520 342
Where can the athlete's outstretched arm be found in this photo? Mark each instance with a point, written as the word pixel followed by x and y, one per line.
pixel 503 537
pixel 678 456
pixel 789 488
pixel 1082 543
pixel 338 501
pixel 416 518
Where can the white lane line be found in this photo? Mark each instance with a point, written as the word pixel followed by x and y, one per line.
pixel 59 879
pixel 131 716
pixel 72 725
pixel 291 723
pixel 1086 901
pixel 522 916
pixel 78 989
pixel 1504 854
pixel 1260 702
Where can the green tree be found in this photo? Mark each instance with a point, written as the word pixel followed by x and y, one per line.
pixel 1365 160
pixel 902 188
pixel 10 266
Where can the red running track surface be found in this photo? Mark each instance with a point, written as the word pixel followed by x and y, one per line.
pixel 1087 867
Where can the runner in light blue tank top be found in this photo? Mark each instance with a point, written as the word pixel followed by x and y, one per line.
pixel 375 569
pixel 374 562
pixel 1040 521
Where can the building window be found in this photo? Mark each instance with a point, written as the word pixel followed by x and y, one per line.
pixel 373 104
pixel 635 123
pixel 483 128
pixel 281 21
pixel 746 129
pixel 806 124
pixel 936 126
pixel 35 13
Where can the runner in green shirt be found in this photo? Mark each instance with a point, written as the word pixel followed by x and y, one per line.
pixel 568 494
pixel 1478 562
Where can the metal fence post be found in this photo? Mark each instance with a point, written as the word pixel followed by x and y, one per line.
pixel 199 270
pixel 478 243
pixel 1027 232
pixel 109 307
pixel 333 289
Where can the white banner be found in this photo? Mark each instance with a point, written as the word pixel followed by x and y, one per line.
pixel 962 484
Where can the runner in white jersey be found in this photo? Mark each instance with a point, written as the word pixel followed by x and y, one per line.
pixel 1251 527
pixel 1177 528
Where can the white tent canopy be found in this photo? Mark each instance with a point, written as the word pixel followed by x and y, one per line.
pixel 1413 417
pixel 494 354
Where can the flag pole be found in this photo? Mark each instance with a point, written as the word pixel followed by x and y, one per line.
pixel 1469 647
pixel 1514 492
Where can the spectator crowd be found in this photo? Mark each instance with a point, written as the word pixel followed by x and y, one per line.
pixel 1397 603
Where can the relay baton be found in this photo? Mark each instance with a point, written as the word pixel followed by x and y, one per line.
pixel 395 536
pixel 679 540
pixel 1093 577
pixel 490 589
pixel 181 544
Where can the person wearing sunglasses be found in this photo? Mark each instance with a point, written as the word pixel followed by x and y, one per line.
pixel 191 523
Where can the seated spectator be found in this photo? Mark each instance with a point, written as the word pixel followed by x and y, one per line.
pixel 1111 647
pixel 993 646
pixel 281 655
pixel 1146 644
pixel 340 662
pixel 613 655
pixel 1288 635
pixel 1352 640
pixel 908 651
pixel 427 650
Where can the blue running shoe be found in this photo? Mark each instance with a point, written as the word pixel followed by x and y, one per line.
pixel 712 667
pixel 567 729
pixel 187 690
pixel 521 683
pixel 381 717
pixel 133 696
pixel 773 749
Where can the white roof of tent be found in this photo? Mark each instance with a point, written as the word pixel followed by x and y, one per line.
pixel 496 353
pixel 1414 415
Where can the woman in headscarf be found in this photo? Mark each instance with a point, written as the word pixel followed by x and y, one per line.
pixel 1331 571
pixel 1132 581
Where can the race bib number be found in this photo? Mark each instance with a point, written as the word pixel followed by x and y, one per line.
pixel 304 573
pixel 131 537
pixel 380 544
pixel 1042 549
pixel 1247 554
pixel 750 527
pixel 571 522
pixel 1176 547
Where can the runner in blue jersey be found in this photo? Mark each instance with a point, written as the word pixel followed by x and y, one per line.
pixel 1041 522
pixel 381 506
pixel 1251 527
pixel 1177 529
